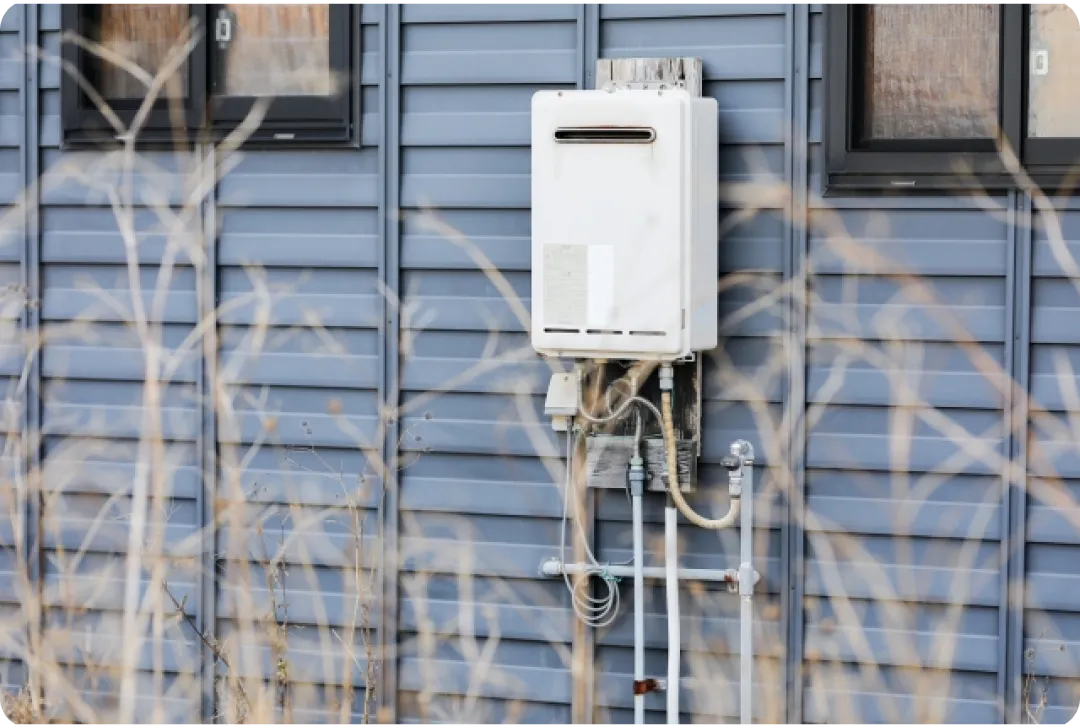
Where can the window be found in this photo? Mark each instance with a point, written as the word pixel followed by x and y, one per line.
pixel 920 95
pixel 98 72
pixel 929 72
pixel 1053 103
pixel 211 64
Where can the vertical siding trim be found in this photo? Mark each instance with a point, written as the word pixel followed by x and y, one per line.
pixel 389 273
pixel 356 50
pixel 797 103
pixel 588 43
pixel 1016 504
pixel 31 325
pixel 583 640
pixel 207 384
pixel 1010 421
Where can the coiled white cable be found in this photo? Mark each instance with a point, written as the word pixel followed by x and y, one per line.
pixel 593 611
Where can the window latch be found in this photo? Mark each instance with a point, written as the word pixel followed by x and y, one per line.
pixel 223 28
pixel 1040 62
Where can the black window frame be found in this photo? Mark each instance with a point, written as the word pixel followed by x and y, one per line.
pixel 290 120
pixel 914 165
pixel 1042 155
pixel 81 119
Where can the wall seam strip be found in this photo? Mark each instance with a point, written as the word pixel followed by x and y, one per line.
pixel 1009 426
pixel 791 611
pixel 31 323
pixel 583 638
pixel 581 635
pixel 1017 501
pixel 206 619
pixel 389 262
pixel 787 322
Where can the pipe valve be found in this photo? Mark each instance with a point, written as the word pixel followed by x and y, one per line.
pixel 738 463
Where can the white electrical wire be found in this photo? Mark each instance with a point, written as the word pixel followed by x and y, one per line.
pixel 593 611
pixel 602 419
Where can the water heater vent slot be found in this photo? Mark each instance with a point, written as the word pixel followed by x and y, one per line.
pixel 601 332
pixel 605 135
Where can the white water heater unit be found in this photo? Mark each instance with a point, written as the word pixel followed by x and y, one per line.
pixel 624 224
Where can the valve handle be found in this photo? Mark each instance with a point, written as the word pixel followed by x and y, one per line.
pixel 731 462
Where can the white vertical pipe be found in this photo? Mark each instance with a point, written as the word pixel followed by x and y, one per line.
pixel 671 558
pixel 639 607
pixel 746 598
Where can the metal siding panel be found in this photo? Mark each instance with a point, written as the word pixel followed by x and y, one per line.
pixel 28 457
pixel 904 515
pixel 444 14
pixel 474 533
pixel 743 50
pixel 465 177
pixel 905 451
pixel 940 374
pixel 1051 607
pixel 499 236
pixel 478 506
pixel 732 47
pixel 92 410
pixel 455 116
pixel 86 177
pixel 535 52
pixel 390 361
pixel 302 179
pixel 676 10
pixel 298 235
pixel 931 309
pixel 959 243
pixel 12 82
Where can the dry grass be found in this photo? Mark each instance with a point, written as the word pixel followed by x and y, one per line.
pixel 295 543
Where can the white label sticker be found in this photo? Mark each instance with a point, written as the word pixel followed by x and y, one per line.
pixel 565 285
pixel 601 288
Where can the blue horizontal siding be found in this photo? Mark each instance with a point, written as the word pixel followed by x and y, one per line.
pixel 907 378
pixel 298 250
pixel 742 50
pixel 1052 611
pixel 479 511
pixel 731 47
pixel 903 509
pixel 17 595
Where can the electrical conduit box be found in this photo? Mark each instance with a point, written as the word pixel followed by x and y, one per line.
pixel 624 224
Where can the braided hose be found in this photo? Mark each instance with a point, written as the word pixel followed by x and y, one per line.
pixel 711 524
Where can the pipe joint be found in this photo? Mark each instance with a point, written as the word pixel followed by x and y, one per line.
pixel 743 450
pixel 667 378
pixel 747 579
pixel 636 476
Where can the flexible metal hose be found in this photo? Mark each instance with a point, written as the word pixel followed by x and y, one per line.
pixel 711 524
